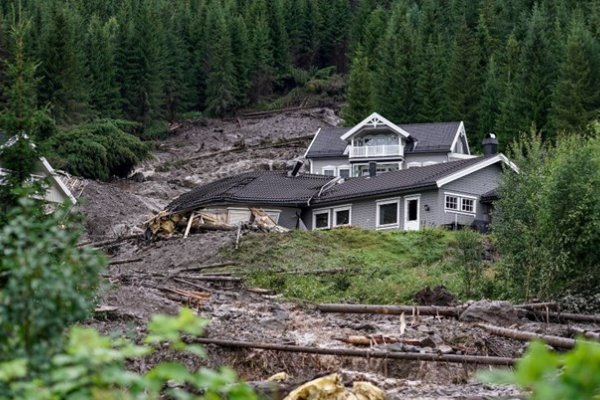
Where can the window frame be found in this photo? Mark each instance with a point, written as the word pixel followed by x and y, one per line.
pixel 319 212
pixel 384 202
pixel 462 205
pixel 342 208
pixel 346 167
pixel 459 206
pixel 329 167
pixel 457 198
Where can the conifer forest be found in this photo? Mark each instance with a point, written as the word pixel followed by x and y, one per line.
pixel 500 65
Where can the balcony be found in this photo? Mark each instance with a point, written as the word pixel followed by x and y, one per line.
pixel 376 151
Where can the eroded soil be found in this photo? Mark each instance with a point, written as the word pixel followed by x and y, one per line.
pixel 136 289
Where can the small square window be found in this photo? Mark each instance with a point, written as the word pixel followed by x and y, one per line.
pixel 388 213
pixel 344 173
pixel 451 202
pixel 342 217
pixel 468 205
pixel 322 220
pixel 328 172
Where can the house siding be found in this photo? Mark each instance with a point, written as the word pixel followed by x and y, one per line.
pixel 425 157
pixel 318 164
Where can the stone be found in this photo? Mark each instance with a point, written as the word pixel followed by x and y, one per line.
pixel 493 312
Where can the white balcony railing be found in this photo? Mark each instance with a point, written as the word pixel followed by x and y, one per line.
pixel 375 151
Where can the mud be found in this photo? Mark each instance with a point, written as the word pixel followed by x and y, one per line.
pixel 118 208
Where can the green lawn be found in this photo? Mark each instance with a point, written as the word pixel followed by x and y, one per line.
pixel 389 267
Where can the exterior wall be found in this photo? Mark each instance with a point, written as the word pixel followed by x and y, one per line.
pixel 54 194
pixel 317 164
pixel 287 215
pixel 425 157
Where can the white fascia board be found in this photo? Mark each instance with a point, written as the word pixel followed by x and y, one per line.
pixel 460 156
pixel 474 168
pixel 370 118
pixel 461 128
pixel 58 181
pixel 311 142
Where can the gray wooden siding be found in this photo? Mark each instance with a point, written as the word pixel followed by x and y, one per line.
pixel 424 157
pixel 318 164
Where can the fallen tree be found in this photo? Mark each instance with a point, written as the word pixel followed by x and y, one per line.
pixel 392 310
pixel 390 355
pixel 555 341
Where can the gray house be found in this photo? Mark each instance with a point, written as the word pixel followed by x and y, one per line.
pixel 348 152
pixel 447 193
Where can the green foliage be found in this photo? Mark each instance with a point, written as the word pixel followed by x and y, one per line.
pixel 93 367
pixel 383 267
pixel 468 255
pixel 98 150
pixel 46 281
pixel 360 94
pixel 574 375
pixel 548 221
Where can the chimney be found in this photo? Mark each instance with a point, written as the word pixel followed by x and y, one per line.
pixel 372 169
pixel 490 144
pixel 296 169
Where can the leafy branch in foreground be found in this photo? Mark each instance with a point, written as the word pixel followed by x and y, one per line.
pixel 93 367
pixel 554 376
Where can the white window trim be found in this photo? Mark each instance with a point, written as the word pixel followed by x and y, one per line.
pixel 446 208
pixel 377 213
pixel 342 208
pixel 460 198
pixel 331 167
pixel 348 167
pixel 318 212
pixel 406 200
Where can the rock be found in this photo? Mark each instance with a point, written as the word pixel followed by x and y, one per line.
pixel 438 296
pixel 494 312
pixel 445 349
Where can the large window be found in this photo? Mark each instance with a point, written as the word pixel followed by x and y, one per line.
pixel 321 219
pixel 363 169
pixel 387 214
pixel 460 203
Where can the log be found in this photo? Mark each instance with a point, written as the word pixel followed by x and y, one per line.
pixel 390 355
pixel 203 288
pixel 576 331
pixel 128 261
pixel 561 316
pixel 555 341
pixel 213 278
pixel 550 305
pixel 189 225
pixel 202 267
pixel 392 310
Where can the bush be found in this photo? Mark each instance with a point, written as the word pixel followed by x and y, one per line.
pixel 552 376
pixel 93 367
pixel 547 222
pixel 468 259
pixel 98 150
pixel 46 281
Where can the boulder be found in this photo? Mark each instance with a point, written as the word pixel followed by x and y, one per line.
pixel 494 312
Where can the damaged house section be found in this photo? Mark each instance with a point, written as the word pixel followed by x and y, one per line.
pixel 454 189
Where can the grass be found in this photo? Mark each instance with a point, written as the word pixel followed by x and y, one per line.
pixel 389 267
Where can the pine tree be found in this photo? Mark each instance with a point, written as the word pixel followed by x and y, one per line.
pixel 490 100
pixel 221 86
pixel 373 32
pixel 100 48
pixel 463 83
pixel 242 60
pixel 507 125
pixel 430 84
pixel 575 93
pixel 359 94
pixel 279 36
pixel 262 65
pixel 536 74
pixel 62 65
pixel 334 46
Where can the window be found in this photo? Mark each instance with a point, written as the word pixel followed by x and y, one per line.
pixel 451 202
pixel 341 216
pixel 363 169
pixel 329 171
pixel 387 213
pixel 413 210
pixel 238 215
pixel 468 205
pixel 344 172
pixel 321 220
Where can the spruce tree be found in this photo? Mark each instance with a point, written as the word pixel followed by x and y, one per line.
pixel 221 86
pixel 242 60
pixel 575 93
pixel 279 35
pixel 262 65
pixel 490 101
pixel 507 124
pixel 373 32
pixel 359 94
pixel 430 84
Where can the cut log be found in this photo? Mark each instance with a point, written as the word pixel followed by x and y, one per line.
pixel 203 288
pixel 128 261
pixel 201 267
pixel 550 305
pixel 563 317
pixel 390 355
pixel 393 310
pixel 555 341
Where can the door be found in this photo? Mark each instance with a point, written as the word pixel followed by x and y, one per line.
pixel 412 220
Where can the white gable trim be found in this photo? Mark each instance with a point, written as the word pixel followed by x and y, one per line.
pixel 461 129
pixel 374 120
pixel 61 185
pixel 311 143
pixel 474 168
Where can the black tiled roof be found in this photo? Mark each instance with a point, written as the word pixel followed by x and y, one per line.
pixel 490 196
pixel 263 187
pixel 393 182
pixel 430 137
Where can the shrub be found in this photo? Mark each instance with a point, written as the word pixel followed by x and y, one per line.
pixel 98 150
pixel 93 367
pixel 468 259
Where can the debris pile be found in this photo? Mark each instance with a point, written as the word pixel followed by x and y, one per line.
pixel 331 387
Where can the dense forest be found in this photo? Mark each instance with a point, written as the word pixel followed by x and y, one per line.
pixel 500 65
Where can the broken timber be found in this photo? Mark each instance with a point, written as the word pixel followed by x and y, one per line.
pixel 392 310
pixel 555 341
pixel 390 355
pixel 560 316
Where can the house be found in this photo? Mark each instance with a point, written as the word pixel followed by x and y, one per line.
pixel 350 152
pixel 376 175
pixel 57 192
